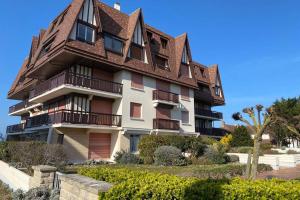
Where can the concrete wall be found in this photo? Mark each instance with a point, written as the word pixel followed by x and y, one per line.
pixel 144 97
pixel 276 161
pixel 15 178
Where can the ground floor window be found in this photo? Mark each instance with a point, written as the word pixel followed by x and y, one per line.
pixel 134 141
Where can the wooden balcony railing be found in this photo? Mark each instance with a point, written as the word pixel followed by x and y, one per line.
pixel 203 96
pixel 208 113
pixel 211 131
pixel 15 128
pixel 165 96
pixel 67 77
pixel 74 117
pixel 19 106
pixel 165 124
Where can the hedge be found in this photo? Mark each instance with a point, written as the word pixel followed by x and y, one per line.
pixel 130 184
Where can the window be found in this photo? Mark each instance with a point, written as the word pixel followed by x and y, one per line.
pixel 138 34
pixel 185 118
pixel 81 104
pixel 46 47
pixel 134 141
pixel 161 62
pixel 185 93
pixel 184 58
pixel 202 73
pixel 136 52
pixel 135 110
pixel 113 44
pixel 218 88
pixel 137 81
pixel 204 88
pixel 150 36
pixel 85 32
pixel 164 43
pixel 185 71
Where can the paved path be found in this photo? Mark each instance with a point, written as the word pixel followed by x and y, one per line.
pixel 284 173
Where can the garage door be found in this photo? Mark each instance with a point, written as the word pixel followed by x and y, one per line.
pixel 99 146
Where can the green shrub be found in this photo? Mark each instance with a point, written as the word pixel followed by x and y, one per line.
pixel 241 137
pixel 148 144
pixel 123 157
pixel 142 184
pixel 169 156
pixel 266 146
pixel 5 192
pixel 207 140
pixel 216 153
pixel 38 193
pixel 269 151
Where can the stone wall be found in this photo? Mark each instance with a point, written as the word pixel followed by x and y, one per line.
pixel 74 186
pixel 43 176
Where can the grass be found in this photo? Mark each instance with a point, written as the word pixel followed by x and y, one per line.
pixel 198 171
pixel 5 192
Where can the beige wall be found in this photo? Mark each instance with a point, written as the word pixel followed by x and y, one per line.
pixel 76 142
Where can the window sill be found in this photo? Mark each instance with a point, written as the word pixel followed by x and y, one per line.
pixel 188 100
pixel 137 119
pixel 186 124
pixel 138 89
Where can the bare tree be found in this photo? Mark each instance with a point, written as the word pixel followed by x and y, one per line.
pixel 261 119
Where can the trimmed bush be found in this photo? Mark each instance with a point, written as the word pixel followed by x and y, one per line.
pixel 216 153
pixel 169 156
pixel 148 144
pixel 130 184
pixel 240 149
pixel 123 157
pixel 241 137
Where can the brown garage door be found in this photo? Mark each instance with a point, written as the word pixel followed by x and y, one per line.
pixel 99 146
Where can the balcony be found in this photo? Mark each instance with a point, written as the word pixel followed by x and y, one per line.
pixel 214 132
pixel 74 117
pixel 67 82
pixel 208 114
pixel 203 96
pixel 22 107
pixel 166 124
pixel 163 97
pixel 17 128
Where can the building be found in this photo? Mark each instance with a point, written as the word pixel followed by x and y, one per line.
pixel 97 79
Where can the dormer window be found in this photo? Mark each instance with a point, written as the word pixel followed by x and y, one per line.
pixel 164 43
pixel 161 62
pixel 185 59
pixel 137 50
pixel 218 88
pixel 150 36
pixel 113 44
pixel 85 29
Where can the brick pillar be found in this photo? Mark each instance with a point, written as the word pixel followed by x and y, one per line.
pixel 43 176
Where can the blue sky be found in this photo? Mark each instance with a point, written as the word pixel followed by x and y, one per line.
pixel 255 42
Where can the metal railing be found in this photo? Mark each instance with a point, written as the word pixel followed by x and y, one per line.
pixel 74 117
pixel 16 128
pixel 208 113
pixel 19 106
pixel 165 124
pixel 67 77
pixel 211 131
pixel 165 96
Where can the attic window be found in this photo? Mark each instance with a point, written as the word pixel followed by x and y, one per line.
pixel 184 58
pixel 138 35
pixel 218 88
pixel 112 43
pixel 46 47
pixel 202 73
pixel 164 43
pixel 53 26
pixel 62 18
pixel 161 62
pixel 85 32
pixel 150 36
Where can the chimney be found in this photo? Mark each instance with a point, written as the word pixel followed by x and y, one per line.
pixel 117 6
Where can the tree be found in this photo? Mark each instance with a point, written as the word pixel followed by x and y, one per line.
pixel 241 137
pixel 257 129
